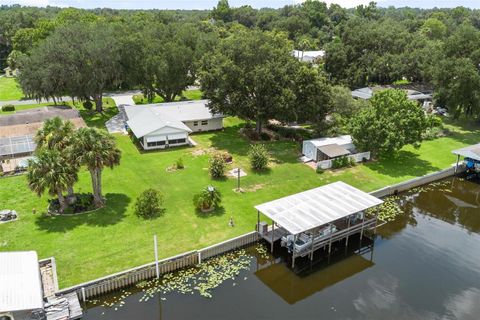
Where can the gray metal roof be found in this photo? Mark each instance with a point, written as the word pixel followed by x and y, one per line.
pixel 38 115
pixel 316 207
pixel 367 93
pixel 472 152
pixel 12 146
pixel 20 282
pixel 334 150
pixel 144 119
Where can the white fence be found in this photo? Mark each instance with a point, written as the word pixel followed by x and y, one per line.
pixel 358 157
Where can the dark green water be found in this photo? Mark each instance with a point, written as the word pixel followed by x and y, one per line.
pixel 423 265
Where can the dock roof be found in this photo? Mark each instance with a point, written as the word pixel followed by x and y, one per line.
pixel 472 152
pixel 313 208
pixel 20 282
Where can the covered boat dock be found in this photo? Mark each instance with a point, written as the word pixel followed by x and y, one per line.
pixel 314 219
pixel 471 154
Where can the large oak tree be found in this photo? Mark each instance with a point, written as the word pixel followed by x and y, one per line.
pixel 253 75
pixel 81 60
pixel 390 122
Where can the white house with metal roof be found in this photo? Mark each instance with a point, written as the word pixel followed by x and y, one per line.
pixel 21 293
pixel 163 125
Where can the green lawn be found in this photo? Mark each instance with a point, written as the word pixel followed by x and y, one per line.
pixel 187 95
pixel 113 239
pixel 9 89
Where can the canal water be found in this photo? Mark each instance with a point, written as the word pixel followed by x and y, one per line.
pixel 423 265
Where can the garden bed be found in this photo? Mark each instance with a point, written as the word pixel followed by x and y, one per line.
pixel 83 204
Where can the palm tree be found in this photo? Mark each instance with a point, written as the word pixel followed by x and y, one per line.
pixel 47 172
pixel 57 134
pixel 96 150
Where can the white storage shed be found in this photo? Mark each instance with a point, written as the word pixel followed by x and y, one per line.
pixel 328 148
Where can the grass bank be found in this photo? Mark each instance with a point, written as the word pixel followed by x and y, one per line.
pixel 113 238
pixel 9 89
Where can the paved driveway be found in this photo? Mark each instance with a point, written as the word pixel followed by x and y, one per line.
pixel 123 99
pixel 116 124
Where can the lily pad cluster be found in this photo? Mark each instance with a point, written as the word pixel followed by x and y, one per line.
pixel 388 210
pixel 262 251
pixel 117 301
pixel 202 278
pixel 439 185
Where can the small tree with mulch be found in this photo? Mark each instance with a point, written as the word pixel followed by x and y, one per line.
pixel 149 204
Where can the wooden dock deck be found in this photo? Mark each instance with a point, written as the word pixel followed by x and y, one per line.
pixel 64 307
pixel 278 233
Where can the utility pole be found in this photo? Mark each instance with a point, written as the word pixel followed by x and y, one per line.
pixel 238 179
pixel 157 269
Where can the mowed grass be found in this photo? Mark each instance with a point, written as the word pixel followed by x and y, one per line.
pixel 10 89
pixel 113 239
pixel 195 94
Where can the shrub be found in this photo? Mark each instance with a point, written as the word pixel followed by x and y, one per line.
pixel 88 105
pixel 8 107
pixel 149 204
pixel 265 136
pixel 352 161
pixel 179 164
pixel 217 166
pixel 340 162
pixel 319 170
pixel 258 155
pixel 208 199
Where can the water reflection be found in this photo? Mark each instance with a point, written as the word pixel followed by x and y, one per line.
pixel 310 277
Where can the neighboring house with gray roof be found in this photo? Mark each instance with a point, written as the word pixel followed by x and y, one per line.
pixel 368 92
pixel 163 125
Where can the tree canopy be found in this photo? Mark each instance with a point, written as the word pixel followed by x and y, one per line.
pixel 253 75
pixel 390 122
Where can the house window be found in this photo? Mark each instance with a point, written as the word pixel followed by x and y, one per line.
pixel 195 123
pixel 204 122
pixel 173 141
pixel 181 140
pixel 155 143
